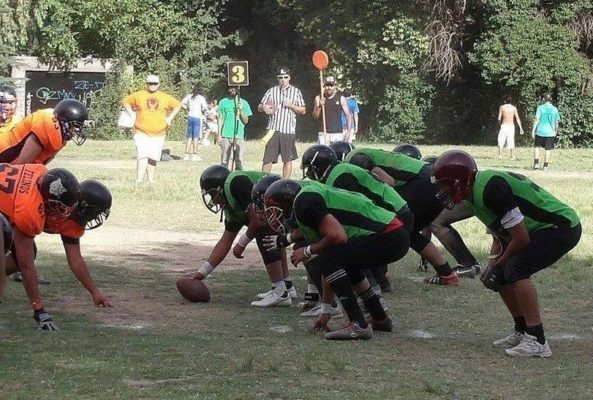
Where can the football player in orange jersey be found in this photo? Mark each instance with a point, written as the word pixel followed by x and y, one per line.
pixel 41 135
pixel 92 209
pixel 30 195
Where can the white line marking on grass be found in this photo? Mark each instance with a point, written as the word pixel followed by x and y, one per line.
pixel 565 336
pixel 133 327
pixel 281 329
pixel 420 334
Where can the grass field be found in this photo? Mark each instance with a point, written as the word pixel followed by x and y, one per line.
pixel 153 345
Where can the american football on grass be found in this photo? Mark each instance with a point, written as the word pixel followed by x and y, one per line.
pixel 193 290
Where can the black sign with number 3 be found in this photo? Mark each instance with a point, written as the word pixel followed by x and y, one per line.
pixel 238 73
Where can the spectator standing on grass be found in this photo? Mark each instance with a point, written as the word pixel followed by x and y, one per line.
pixel 281 103
pixel 335 106
pixel 532 231
pixel 233 115
pixel 7 109
pixel 155 111
pixel 507 114
pixel 354 111
pixel 545 129
pixel 195 104
pixel 211 122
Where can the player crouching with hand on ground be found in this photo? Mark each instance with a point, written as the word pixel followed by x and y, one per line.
pixel 347 233
pixel 230 193
pixel 535 228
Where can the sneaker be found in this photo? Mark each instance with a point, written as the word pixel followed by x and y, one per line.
pixel 450 280
pixel 273 300
pixel 386 286
pixel 465 271
pixel 423 265
pixel 186 157
pixel 530 347
pixel 309 305
pixel 316 312
pixel 535 166
pixel 196 157
pixel 352 331
pixel 291 292
pixel 509 341
pixel 17 277
pixel 384 326
pixel 545 168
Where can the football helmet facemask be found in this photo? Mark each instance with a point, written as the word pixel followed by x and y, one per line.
pixel 94 205
pixel 279 199
pixel 212 186
pixel 257 194
pixel 60 191
pixel 456 171
pixel 71 115
pixel 318 162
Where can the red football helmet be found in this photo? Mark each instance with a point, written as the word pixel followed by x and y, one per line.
pixel 456 171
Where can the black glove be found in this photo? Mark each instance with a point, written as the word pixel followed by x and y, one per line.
pixel 493 278
pixel 44 320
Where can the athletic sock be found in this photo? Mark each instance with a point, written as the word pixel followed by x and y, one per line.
pixel 538 332
pixel 443 270
pixel 520 324
pixel 340 283
pixel 545 164
pixel 288 283
pixel 536 161
pixel 279 287
pixel 372 302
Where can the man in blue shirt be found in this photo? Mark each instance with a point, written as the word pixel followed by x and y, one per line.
pixel 353 108
pixel 545 128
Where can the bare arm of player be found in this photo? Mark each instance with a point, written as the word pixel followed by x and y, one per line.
pixel 255 224
pixel 219 252
pixel 518 122
pixel 499 115
pixel 383 176
pixel 31 149
pixel 348 115
pixel 519 240
pixel 25 254
pixel 173 114
pixel 332 234
pixel 81 271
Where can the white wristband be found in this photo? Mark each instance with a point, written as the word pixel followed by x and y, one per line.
pixel 206 269
pixel 307 251
pixel 243 241
pixel 289 237
pixel 326 308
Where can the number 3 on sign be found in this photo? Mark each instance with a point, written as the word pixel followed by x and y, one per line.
pixel 238 73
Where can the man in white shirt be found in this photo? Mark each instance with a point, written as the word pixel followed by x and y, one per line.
pixel 195 104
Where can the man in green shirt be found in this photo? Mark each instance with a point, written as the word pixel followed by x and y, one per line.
pixel 545 129
pixel 532 231
pixel 233 115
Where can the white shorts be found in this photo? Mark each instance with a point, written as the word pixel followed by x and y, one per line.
pixel 507 134
pixel 149 146
pixel 332 137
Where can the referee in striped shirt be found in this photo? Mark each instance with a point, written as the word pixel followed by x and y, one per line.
pixel 282 103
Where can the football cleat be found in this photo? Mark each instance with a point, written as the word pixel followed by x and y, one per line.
pixel 274 300
pixel 450 280
pixel 352 331
pixel 509 341
pixel 384 326
pixel 291 292
pixel 530 347
pixel 316 312
pixel 465 271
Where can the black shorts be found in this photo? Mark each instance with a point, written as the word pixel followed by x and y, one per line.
pixel 281 144
pixel 420 194
pixel 546 246
pixel 545 142
pixel 268 257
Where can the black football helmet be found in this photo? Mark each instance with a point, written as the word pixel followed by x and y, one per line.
pixel 430 159
pixel 341 149
pixel 408 149
pixel 318 161
pixel 257 194
pixel 212 185
pixel 94 205
pixel 363 161
pixel 71 115
pixel 7 234
pixel 279 199
pixel 60 191
pixel 456 171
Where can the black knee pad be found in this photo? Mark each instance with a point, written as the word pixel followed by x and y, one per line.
pixel 418 242
pixel 152 162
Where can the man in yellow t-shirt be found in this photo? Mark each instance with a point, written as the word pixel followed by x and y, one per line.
pixel 7 109
pixel 155 111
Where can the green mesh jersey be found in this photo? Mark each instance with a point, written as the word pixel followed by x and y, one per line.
pixel 400 167
pixel 237 193
pixel 494 193
pixel 358 215
pixel 355 179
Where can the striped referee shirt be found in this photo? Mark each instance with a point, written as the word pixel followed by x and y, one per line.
pixel 284 119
